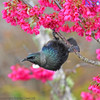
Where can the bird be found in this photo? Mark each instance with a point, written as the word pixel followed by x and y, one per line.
pixel 53 54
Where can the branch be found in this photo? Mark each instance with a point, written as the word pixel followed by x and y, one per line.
pixel 57 3
pixel 93 32
pixel 81 26
pixel 73 70
pixel 25 2
pixel 93 35
pixel 97 63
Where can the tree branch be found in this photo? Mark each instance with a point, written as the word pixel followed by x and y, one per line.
pixel 81 26
pixel 57 3
pixel 93 35
pixel 73 70
pixel 97 63
pixel 93 32
pixel 25 2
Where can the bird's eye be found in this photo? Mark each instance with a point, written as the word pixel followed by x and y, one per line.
pixel 31 57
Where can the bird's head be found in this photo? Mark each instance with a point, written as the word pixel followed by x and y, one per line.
pixel 33 58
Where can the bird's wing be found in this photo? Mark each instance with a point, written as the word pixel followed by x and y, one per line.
pixel 42 58
pixel 74 43
pixel 55 49
pixel 56 54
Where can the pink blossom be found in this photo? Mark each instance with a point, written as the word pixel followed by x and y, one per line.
pixel 98 56
pixel 24 74
pixel 36 11
pixel 6 4
pixel 88 32
pixel 81 34
pixel 71 10
pixel 42 74
pixel 86 96
pixel 47 3
pixel 97 35
pixel 18 13
pixel 98 53
pixel 97 79
pixel 94 88
pixel 90 96
pixel 89 38
pixel 20 73
pixel 4 12
pixel 66 29
pixel 67 18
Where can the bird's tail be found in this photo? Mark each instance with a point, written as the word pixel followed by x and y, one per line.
pixel 75 45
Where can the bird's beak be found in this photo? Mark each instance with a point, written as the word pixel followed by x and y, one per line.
pixel 25 59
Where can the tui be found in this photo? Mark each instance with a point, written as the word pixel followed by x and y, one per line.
pixel 53 54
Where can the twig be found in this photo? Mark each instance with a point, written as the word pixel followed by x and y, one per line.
pixel 57 3
pixel 81 26
pixel 97 63
pixel 73 70
pixel 25 2
pixel 98 40
pixel 93 35
pixel 93 32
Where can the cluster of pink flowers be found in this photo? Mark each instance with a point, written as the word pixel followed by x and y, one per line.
pixel 18 13
pixel 90 96
pixel 97 79
pixel 98 54
pixel 42 74
pixel 24 74
pixel 86 96
pixel 95 87
pixel 87 20
pixel 95 90
pixel 20 73
pixel 85 16
pixel 84 13
pixel 51 4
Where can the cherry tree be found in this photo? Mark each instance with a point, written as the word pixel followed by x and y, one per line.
pixel 85 16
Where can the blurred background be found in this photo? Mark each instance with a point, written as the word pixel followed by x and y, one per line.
pixel 15 44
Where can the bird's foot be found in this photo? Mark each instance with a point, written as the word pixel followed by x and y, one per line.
pixel 54 35
pixel 72 48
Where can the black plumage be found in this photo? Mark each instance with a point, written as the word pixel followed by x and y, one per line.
pixel 53 54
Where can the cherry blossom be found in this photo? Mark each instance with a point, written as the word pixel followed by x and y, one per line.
pixel 24 74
